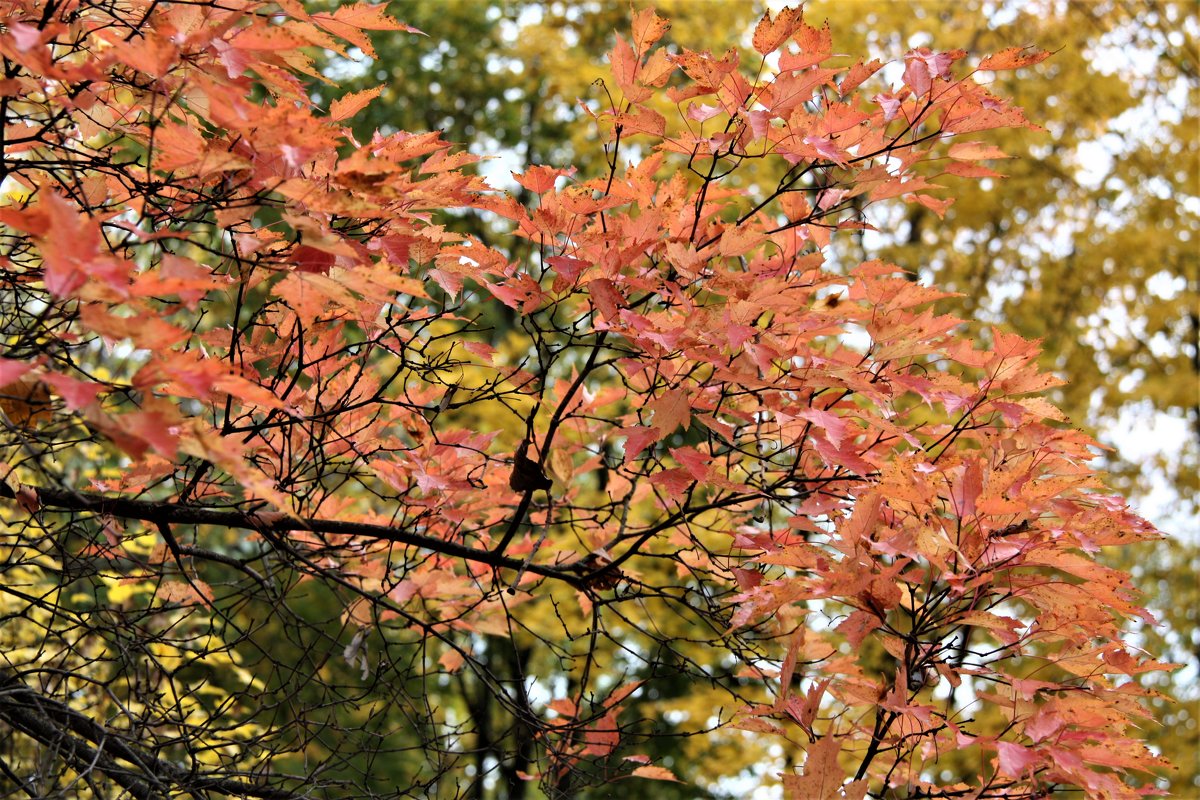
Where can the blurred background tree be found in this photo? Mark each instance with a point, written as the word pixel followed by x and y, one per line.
pixel 1090 243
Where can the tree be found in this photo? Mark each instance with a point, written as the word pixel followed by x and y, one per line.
pixel 290 514
pixel 1087 242
pixel 1113 101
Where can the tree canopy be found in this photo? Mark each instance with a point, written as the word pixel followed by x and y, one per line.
pixel 1088 243
pixel 333 470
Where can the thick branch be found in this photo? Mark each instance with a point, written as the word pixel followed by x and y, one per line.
pixel 167 513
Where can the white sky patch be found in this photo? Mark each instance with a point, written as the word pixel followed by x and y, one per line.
pixel 1142 435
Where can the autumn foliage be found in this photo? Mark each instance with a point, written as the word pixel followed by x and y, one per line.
pixel 298 473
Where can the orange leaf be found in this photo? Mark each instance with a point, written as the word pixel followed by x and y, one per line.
pixel 975 151
pixel 540 179
pixel 816 45
pixel 1014 58
pixel 822 777
pixel 655 773
pixel 351 104
pixel 671 409
pixel 770 33
pixel 624 63
pixel 648 28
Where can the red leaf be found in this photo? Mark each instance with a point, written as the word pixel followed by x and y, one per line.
pixel 72 250
pixel 922 66
pixel 568 269
pixel 310 259
pixel 676 481
pixel 932 203
pixel 1044 724
pixel 822 777
pixel 856 626
pixel 12 371
pixel 370 17
pixel 155 428
pixel 638 437
pixel 857 74
pixel 833 425
pixel 707 71
pixel 1015 760
pixel 826 148
pixel 642 120
pixel 606 297
pixel 349 21
pixel 619 694
pixel 26 37
pixel 76 393
pixel 844 456
pixel 695 462
pixel 966 490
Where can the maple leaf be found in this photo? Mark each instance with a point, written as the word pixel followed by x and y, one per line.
pixel 638 438
pixel 11 371
pixel 822 778
pixel 975 151
pixel 349 21
pixel 648 28
pixel 922 66
pixel 670 410
pixel 1015 760
pixel 815 44
pixel 349 105
pixel 771 32
pixel 72 247
pixel 858 74
pixel 76 393
pixel 624 64
pixel 1014 58
pixel 655 773
pixel 540 179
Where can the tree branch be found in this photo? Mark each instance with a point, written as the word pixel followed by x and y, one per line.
pixel 71 734
pixel 166 513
